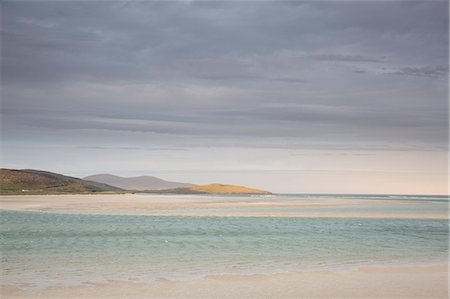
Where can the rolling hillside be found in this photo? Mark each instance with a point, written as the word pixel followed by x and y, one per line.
pixel 214 189
pixel 29 181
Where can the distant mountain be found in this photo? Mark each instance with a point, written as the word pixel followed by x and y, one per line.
pixel 214 189
pixel 29 181
pixel 139 183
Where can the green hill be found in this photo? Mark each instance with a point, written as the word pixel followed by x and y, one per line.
pixel 29 181
pixel 213 189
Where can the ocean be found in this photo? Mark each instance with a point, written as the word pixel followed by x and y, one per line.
pixel 48 249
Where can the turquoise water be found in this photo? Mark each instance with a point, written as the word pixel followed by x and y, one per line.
pixel 389 197
pixel 49 249
pixel 406 205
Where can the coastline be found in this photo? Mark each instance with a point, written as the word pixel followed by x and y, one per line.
pixel 365 282
pixel 217 206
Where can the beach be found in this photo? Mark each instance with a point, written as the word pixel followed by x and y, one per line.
pixel 229 206
pixel 406 282
pixel 238 246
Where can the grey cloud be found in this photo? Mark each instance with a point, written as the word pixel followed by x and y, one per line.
pixel 145 41
pixel 290 80
pixel 225 77
pixel 348 120
pixel 348 58
pixel 228 70
pixel 304 121
pixel 133 148
pixel 423 71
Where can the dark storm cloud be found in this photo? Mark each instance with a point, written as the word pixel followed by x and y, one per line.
pixel 254 69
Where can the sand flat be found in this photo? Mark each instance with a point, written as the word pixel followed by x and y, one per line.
pixel 369 282
pixel 191 205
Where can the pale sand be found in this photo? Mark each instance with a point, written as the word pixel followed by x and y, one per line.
pixel 176 205
pixel 394 282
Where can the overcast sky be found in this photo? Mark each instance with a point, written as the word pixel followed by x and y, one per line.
pixel 289 96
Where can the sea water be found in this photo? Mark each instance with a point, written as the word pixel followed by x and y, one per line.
pixel 43 249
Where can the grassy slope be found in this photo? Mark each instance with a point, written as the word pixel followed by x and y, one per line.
pixel 30 181
pixel 213 189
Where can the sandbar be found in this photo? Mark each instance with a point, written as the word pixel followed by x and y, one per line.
pixel 192 205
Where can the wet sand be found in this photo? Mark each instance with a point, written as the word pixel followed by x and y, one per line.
pixel 370 282
pixel 191 205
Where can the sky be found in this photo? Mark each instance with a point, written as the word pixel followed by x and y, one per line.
pixel 286 96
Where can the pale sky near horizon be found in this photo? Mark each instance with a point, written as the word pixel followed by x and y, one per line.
pixel 288 96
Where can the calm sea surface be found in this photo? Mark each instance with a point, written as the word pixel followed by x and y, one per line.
pixel 42 249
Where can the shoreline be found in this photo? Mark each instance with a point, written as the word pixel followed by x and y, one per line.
pixel 204 206
pixel 426 281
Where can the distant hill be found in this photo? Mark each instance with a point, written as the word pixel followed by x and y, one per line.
pixel 214 189
pixel 29 181
pixel 139 183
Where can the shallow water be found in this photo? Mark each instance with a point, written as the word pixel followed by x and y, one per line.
pixel 409 206
pixel 49 249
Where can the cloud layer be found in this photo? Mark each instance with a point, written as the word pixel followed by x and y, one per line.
pixel 188 74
